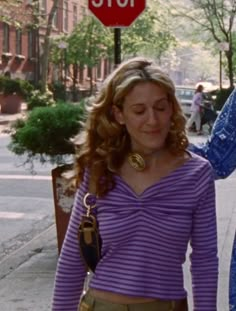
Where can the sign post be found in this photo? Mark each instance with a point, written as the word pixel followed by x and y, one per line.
pixel 117 14
pixel 117 46
pixel 223 46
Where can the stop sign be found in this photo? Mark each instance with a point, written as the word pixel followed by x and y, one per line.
pixel 117 13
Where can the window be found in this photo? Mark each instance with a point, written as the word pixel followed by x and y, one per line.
pixel 83 11
pixel 6 32
pixel 75 15
pixel 66 19
pixel 31 44
pixel 43 8
pixel 18 41
pixel 55 19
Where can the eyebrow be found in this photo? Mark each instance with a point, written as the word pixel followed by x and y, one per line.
pixel 156 102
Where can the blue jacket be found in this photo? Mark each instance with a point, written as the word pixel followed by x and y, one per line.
pixel 220 149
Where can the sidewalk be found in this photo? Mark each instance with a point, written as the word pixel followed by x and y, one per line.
pixel 7 119
pixel 27 275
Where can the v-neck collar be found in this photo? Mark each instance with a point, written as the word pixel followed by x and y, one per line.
pixel 157 183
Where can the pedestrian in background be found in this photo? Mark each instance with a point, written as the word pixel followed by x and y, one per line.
pixel 152 198
pixel 195 117
pixel 220 150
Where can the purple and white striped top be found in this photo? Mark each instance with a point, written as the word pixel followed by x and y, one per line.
pixel 145 239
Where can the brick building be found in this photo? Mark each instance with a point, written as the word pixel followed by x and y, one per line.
pixel 21 48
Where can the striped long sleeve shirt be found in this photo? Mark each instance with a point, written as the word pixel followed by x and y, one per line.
pixel 145 240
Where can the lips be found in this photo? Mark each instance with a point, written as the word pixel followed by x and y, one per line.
pixel 152 132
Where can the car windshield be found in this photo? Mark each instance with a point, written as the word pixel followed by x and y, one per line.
pixel 184 93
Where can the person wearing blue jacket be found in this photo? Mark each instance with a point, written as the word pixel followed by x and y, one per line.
pixel 220 150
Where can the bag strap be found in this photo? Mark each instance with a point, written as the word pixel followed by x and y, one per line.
pixel 88 205
pixel 87 200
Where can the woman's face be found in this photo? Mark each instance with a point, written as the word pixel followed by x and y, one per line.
pixel 147 115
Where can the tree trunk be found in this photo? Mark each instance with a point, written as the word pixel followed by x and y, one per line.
pixel 74 78
pixel 229 56
pixel 46 51
pixel 91 80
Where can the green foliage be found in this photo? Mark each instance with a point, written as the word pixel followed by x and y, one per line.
pixel 221 97
pixel 10 86
pixel 46 133
pixel 59 90
pixel 212 21
pixel 90 40
pixel 39 99
pixel 87 44
pixel 146 35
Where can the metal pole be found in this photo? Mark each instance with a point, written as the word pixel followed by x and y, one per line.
pixel 220 70
pixel 65 67
pixel 37 57
pixel 65 71
pixel 37 45
pixel 117 46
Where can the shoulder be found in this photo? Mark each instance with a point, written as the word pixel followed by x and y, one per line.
pixel 200 163
pixel 84 185
pixel 198 95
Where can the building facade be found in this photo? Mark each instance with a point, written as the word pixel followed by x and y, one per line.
pixel 22 38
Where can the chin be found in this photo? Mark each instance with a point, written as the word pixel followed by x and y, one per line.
pixel 151 149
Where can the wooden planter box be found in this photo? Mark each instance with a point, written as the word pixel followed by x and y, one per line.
pixel 11 103
pixel 63 202
pixel 1 100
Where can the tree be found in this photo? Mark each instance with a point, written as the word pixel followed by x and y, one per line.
pixel 215 18
pixel 90 41
pixel 87 44
pixel 46 46
pixel 147 36
pixel 15 13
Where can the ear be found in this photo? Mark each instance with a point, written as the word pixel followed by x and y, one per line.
pixel 118 114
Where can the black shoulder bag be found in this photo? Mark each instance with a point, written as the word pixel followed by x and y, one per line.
pixel 88 234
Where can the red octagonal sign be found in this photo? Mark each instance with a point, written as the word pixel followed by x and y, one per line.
pixel 117 13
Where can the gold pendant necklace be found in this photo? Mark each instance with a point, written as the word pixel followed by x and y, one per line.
pixel 136 161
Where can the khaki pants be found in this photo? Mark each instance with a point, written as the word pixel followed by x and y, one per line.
pixel 89 303
pixel 195 117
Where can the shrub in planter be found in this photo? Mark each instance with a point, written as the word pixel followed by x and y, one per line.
pixel 45 134
pixel 20 87
pixel 14 91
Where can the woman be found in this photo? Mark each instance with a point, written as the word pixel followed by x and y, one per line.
pixel 152 197
pixel 196 110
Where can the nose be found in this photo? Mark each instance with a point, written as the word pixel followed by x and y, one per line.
pixel 152 117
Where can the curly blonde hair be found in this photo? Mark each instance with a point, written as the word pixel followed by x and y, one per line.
pixel 103 144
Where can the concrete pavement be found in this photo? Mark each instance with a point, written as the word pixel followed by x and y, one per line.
pixel 27 275
pixel 7 119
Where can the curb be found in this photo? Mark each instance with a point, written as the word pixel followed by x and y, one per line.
pixel 4 122
pixel 45 239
